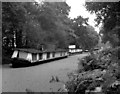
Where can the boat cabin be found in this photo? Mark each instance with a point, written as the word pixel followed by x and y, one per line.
pixel 33 55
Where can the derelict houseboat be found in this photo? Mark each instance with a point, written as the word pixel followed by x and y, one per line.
pixel 28 56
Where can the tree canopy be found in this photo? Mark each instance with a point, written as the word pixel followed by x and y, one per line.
pixel 86 36
pixel 37 24
pixel 47 25
pixel 108 13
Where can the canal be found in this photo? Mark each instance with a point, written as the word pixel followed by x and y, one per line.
pixel 39 78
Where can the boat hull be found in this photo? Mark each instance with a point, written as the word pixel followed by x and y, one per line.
pixel 16 62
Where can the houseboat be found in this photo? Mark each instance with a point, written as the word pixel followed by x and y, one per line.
pixel 74 50
pixel 29 56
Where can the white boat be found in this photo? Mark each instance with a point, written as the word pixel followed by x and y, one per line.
pixel 29 56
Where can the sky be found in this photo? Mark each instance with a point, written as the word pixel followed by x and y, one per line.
pixel 78 8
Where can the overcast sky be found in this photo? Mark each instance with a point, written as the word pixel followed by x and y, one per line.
pixel 77 8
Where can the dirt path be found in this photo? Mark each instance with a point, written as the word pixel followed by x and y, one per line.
pixel 37 78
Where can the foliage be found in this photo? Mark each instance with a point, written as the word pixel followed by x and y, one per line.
pixel 87 37
pixel 34 25
pixel 9 24
pixel 44 21
pixel 100 73
pixel 108 13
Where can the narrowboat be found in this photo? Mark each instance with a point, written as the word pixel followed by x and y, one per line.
pixel 74 50
pixel 30 56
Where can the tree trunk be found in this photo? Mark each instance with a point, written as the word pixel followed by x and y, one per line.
pixel 19 39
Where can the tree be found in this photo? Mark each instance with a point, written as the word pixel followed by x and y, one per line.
pixel 35 25
pixel 13 19
pixel 55 22
pixel 86 36
pixel 108 13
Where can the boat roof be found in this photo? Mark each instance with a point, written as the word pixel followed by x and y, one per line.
pixel 30 50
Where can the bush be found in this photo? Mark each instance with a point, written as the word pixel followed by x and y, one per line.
pixel 99 71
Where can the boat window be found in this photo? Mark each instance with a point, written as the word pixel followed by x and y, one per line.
pixel 23 55
pixel 60 53
pixel 53 54
pixel 34 56
pixel 64 53
pixel 40 56
pixel 48 55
